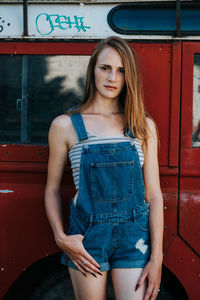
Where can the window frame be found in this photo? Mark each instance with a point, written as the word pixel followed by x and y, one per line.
pixel 30 152
pixel 190 156
pixel 159 6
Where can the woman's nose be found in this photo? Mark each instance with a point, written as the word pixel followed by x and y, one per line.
pixel 112 76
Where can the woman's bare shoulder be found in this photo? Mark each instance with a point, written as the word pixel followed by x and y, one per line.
pixel 63 123
pixel 62 126
pixel 152 132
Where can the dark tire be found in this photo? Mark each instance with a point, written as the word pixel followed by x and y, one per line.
pixel 58 286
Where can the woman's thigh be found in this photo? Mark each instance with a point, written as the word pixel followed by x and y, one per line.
pixel 90 287
pixel 124 283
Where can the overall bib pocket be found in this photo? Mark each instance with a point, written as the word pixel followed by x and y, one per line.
pixel 112 181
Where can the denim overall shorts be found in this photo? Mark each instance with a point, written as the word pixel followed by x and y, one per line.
pixel 110 212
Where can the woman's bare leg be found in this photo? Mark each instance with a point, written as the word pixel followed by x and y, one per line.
pixel 124 283
pixel 88 288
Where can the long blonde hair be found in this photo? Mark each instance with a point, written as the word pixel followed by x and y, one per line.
pixel 131 97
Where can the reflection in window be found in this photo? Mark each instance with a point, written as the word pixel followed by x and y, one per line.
pixel 196 102
pixel 54 82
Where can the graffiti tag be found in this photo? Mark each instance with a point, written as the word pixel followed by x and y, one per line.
pixel 2 23
pixel 59 21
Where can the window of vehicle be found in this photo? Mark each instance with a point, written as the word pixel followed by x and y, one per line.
pixel 196 102
pixel 34 89
pixel 154 18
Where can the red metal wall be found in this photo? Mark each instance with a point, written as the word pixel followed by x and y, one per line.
pixel 23 224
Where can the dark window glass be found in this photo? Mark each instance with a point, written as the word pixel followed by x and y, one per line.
pixel 10 92
pixel 36 89
pixel 154 18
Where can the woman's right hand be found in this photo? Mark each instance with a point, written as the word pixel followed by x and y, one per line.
pixel 72 245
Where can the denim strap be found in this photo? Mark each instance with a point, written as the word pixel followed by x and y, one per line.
pixel 129 132
pixel 79 126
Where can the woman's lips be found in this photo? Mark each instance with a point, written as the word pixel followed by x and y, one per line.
pixel 110 87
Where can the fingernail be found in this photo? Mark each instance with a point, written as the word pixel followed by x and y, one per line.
pixel 94 275
pixel 100 273
pixel 99 268
pixel 137 286
pixel 84 274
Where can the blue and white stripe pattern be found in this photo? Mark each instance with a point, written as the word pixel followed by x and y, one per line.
pixel 75 152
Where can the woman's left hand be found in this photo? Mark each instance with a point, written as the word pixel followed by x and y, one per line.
pixel 152 271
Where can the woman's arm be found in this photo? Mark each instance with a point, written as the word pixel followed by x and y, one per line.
pixel 156 217
pixel 154 194
pixel 60 133
pixel 58 149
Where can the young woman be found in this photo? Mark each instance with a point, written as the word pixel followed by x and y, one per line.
pixel 116 216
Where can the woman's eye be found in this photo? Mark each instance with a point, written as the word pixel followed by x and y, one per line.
pixel 122 71
pixel 104 68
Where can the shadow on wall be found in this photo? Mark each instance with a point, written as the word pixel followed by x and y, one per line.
pixel 55 83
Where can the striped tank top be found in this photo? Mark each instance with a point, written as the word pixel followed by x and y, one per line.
pixel 75 151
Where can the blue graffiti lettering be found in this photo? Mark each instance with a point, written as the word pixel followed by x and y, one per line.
pixel 60 22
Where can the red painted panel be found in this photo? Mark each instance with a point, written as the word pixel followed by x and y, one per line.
pixel 187 94
pixel 24 227
pixel 190 161
pixel 189 202
pixel 156 74
pixel 189 211
pixel 175 104
pixel 169 186
pixel 182 261
pixel 23 153
pixel 42 47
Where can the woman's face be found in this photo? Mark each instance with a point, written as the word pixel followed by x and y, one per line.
pixel 109 74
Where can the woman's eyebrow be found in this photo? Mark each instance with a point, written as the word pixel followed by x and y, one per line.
pixel 109 66
pixel 105 65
